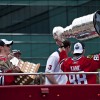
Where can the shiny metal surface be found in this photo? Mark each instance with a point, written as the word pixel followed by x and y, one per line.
pixel 85 27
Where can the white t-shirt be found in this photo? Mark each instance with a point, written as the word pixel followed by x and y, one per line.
pixel 54 66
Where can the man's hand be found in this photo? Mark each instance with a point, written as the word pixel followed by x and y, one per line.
pixel 15 69
pixel 61 49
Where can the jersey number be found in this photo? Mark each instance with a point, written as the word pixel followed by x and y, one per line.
pixel 77 78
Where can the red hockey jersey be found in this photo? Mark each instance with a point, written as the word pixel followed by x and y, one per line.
pixel 80 64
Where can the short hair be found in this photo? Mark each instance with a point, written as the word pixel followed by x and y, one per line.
pixel 58 30
pixel 66 43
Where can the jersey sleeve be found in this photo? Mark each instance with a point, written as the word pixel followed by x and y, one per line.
pixel 52 63
pixel 62 66
pixel 93 65
pixel 64 63
pixel 96 60
pixel 62 55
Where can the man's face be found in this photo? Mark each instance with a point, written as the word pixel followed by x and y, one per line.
pixel 58 39
pixel 17 55
pixel 55 36
pixel 7 49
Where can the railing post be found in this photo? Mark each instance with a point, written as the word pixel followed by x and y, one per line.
pixel 99 77
pixel 41 78
pixel 1 79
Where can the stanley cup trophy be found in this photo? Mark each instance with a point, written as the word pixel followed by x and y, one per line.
pixel 85 27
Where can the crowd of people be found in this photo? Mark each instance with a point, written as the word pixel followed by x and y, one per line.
pixel 58 61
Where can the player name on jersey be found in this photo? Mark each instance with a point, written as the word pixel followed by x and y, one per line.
pixel 75 68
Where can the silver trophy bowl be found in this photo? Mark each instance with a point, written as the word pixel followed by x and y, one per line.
pixel 83 28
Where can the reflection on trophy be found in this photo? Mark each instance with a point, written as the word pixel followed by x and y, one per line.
pixel 85 27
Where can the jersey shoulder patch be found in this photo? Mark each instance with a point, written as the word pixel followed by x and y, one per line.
pixel 96 57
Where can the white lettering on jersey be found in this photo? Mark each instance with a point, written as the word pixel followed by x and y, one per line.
pixel 75 68
pixel 81 79
pixel 72 79
pixel 77 78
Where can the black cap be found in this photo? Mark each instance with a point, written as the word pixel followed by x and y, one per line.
pixel 2 43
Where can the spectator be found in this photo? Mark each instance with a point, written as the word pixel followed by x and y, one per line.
pixel 16 53
pixel 5 65
pixel 53 60
pixel 79 63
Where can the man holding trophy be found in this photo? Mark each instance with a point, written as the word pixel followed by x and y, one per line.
pixel 83 28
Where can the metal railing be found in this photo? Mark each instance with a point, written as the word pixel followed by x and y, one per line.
pixel 42 73
pixel 53 73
